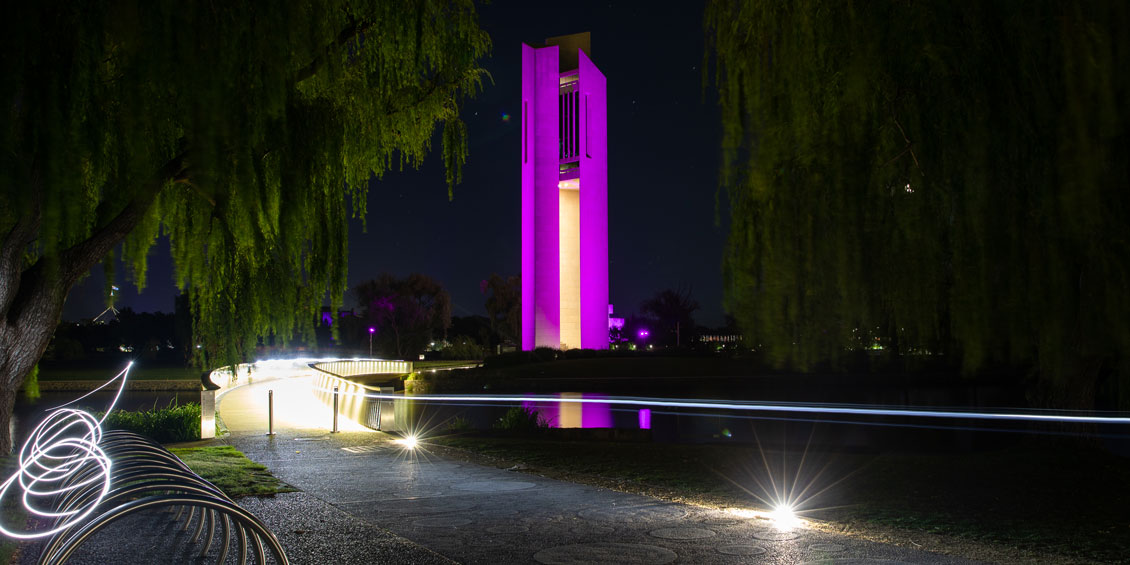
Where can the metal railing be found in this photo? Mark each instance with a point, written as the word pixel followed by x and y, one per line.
pixel 355 400
pixel 364 367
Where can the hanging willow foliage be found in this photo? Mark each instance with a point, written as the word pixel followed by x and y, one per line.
pixel 949 177
pixel 243 130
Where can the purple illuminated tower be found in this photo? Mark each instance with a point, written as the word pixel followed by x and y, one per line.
pixel 564 197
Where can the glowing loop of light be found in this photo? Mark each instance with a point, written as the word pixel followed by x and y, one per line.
pixel 62 446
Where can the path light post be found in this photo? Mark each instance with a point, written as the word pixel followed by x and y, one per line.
pixel 270 412
pixel 335 410
pixel 372 331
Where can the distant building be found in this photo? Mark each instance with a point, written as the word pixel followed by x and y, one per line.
pixel 564 158
pixel 614 323
pixel 328 317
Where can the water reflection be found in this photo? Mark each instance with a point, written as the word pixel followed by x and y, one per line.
pixel 574 414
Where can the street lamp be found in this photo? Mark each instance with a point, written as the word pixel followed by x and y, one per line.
pixel 372 331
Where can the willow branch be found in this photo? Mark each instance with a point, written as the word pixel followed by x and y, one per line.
pixel 78 259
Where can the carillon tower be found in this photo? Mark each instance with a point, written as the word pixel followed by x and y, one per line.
pixel 564 196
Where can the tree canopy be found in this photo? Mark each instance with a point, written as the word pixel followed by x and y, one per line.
pixel 405 314
pixel 245 131
pixel 671 311
pixel 504 305
pixel 948 177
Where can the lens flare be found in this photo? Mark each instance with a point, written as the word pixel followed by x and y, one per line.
pixel 408 441
pixel 784 517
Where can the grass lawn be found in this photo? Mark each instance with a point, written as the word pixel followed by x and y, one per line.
pixel 1045 497
pixel 231 471
pixel 138 373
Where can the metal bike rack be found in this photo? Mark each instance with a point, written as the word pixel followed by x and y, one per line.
pixel 146 476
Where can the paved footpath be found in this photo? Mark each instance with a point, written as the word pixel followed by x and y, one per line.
pixel 364 499
pixel 417 507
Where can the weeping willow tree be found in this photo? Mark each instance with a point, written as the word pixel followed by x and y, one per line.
pixel 942 177
pixel 245 131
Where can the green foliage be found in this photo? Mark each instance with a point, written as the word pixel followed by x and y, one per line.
pixel 31 385
pixel 458 424
pixel 171 424
pixel 521 419
pixel 231 471
pixel 948 177
pixel 462 348
pixel 247 132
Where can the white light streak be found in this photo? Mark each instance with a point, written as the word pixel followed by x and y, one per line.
pixel 754 406
pixel 64 444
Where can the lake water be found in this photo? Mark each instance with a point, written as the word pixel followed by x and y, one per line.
pixel 699 425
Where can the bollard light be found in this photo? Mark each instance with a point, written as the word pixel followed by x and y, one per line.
pixel 335 410
pixel 270 412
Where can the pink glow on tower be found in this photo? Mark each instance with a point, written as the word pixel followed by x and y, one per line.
pixel 564 158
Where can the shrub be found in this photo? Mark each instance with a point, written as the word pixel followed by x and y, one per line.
pixel 462 348
pixel 171 424
pixel 521 419
pixel 515 358
pixel 458 424
pixel 540 354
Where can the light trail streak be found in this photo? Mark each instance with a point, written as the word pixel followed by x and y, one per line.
pixel 753 406
pixel 63 444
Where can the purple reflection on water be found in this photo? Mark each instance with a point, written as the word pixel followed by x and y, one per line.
pixel 573 414
pixel 645 418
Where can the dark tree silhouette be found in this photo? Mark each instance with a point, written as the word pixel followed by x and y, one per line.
pixel 671 310
pixel 948 176
pixel 407 313
pixel 504 305
pixel 238 130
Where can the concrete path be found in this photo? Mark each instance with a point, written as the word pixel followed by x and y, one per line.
pixel 367 499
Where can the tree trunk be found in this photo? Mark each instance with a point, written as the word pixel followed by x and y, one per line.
pixel 32 298
pixel 22 343
pixel 7 405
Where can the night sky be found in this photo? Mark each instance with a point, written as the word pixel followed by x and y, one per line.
pixel 663 169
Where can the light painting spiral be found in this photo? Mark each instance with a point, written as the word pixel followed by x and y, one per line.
pixel 62 447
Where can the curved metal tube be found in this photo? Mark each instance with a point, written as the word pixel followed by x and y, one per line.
pixel 143 468
pixel 243 518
